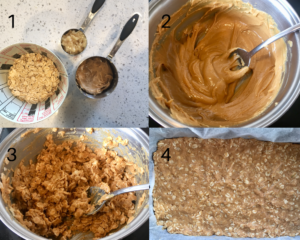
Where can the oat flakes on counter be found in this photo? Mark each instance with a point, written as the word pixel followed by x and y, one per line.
pixel 236 187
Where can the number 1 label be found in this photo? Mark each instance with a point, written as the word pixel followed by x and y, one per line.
pixel 13 20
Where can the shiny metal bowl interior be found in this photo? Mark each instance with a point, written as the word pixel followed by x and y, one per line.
pixel 28 147
pixel 285 16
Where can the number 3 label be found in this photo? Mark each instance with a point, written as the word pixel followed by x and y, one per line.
pixel 13 156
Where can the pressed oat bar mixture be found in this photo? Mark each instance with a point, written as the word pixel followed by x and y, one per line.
pixel 236 187
pixel 50 196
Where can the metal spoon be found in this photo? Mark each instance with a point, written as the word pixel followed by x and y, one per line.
pixel 96 6
pixel 96 193
pixel 246 56
pixel 127 30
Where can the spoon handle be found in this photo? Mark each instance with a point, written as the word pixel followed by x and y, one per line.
pixel 131 189
pixel 127 30
pixel 96 6
pixel 274 38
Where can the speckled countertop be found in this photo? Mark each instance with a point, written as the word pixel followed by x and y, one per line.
pixel 43 23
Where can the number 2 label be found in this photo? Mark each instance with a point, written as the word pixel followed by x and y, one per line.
pixel 168 16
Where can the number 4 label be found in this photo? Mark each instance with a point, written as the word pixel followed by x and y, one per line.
pixel 166 154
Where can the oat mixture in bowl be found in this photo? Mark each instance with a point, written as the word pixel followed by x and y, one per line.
pixel 49 196
pixel 35 83
pixel 235 188
pixel 33 78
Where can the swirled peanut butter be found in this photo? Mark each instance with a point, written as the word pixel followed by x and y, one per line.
pixel 193 75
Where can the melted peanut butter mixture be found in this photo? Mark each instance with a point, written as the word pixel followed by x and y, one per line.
pixel 50 198
pixel 193 75
pixel 94 75
pixel 236 187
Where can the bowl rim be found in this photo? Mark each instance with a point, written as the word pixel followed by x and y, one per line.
pixel 165 120
pixel 21 231
pixel 64 74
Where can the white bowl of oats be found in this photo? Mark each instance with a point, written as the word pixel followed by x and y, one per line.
pixel 33 83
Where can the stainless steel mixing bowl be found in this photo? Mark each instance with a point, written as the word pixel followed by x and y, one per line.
pixel 28 148
pixel 285 16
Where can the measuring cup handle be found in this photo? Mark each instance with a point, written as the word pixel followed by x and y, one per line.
pixel 129 26
pixel 127 30
pixel 96 6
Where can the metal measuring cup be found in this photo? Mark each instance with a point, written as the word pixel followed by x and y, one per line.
pixel 96 6
pixel 127 30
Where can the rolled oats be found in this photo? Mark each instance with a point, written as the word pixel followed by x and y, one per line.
pixel 33 78
pixel 74 42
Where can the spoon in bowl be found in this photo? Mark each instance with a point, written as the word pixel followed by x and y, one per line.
pixel 246 56
pixel 99 198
